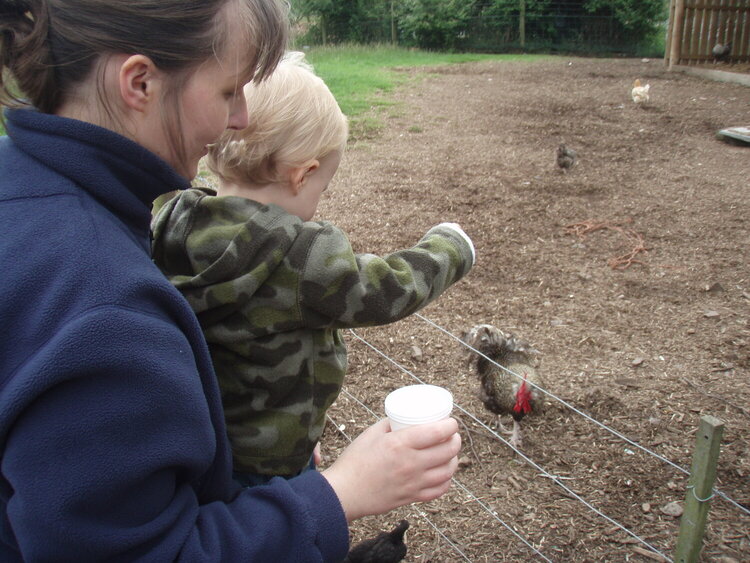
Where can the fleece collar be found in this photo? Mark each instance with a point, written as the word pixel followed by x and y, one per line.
pixel 118 172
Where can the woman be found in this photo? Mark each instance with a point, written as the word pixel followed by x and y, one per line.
pixel 113 441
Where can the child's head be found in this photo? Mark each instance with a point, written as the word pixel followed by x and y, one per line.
pixel 296 130
pixel 58 54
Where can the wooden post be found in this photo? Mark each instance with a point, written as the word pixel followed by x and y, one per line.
pixel 668 40
pixel 700 490
pixel 393 26
pixel 522 23
pixel 674 48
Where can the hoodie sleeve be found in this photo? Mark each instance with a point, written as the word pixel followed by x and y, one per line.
pixel 112 457
pixel 342 289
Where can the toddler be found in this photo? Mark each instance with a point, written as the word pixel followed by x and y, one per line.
pixel 272 288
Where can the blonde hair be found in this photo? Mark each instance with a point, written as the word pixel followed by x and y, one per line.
pixel 293 118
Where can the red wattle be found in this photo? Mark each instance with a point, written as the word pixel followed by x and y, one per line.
pixel 523 399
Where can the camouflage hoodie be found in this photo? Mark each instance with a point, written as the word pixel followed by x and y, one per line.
pixel 271 292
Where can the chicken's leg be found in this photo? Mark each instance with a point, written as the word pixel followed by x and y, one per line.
pixel 516 439
pixel 500 426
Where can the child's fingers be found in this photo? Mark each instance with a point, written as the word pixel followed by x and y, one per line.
pixel 317 457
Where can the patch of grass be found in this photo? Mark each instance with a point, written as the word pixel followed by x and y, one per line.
pixel 361 76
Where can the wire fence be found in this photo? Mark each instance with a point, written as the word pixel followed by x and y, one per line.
pixel 655 552
pixel 561 32
pixel 569 26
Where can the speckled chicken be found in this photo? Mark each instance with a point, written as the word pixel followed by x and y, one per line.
pixel 501 392
pixel 566 158
pixel 386 547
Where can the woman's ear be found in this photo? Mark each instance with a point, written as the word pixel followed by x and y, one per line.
pixel 298 175
pixel 137 81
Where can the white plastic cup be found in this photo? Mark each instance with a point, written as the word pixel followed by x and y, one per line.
pixel 417 404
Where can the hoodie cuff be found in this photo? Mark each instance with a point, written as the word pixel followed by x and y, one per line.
pixel 332 535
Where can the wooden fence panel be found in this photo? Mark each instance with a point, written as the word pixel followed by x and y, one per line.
pixel 696 26
pixel 670 24
pixel 713 28
pixel 686 49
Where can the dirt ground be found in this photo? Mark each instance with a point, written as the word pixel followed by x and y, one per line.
pixel 629 273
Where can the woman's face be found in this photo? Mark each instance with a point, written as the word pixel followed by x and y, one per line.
pixel 211 101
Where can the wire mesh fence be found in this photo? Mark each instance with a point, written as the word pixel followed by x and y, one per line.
pixel 473 501
pixel 569 26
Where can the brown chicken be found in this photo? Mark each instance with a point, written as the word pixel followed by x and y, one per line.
pixel 566 158
pixel 502 392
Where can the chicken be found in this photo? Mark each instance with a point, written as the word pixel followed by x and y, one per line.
pixel 386 547
pixel 566 158
pixel 502 392
pixel 721 52
pixel 640 93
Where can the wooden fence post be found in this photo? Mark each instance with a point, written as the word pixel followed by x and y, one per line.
pixel 394 37
pixel 670 26
pixel 700 490
pixel 674 48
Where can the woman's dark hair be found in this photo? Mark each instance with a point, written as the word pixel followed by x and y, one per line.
pixel 48 47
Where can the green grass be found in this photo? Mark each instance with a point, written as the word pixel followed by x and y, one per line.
pixel 359 76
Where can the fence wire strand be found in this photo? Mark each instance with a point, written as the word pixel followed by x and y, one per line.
pixel 457 483
pixel 586 416
pixel 420 513
pixel 556 479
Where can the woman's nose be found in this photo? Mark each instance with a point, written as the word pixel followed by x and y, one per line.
pixel 239 118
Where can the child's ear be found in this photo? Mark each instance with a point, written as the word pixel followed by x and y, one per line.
pixel 299 175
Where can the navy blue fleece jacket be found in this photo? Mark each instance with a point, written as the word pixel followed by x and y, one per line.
pixel 111 427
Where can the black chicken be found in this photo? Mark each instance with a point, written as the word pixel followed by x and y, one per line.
pixel 500 390
pixel 386 547
pixel 566 158
pixel 721 52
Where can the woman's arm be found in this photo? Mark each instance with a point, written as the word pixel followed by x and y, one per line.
pixel 118 452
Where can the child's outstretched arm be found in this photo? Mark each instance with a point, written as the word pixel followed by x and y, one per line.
pixel 342 289
pixel 382 470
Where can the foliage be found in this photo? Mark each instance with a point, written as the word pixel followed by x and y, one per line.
pixel 339 21
pixel 434 24
pixel 637 18
pixel 486 25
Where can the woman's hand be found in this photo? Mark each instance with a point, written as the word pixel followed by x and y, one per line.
pixel 382 470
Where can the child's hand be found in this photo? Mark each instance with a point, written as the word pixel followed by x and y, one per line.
pixel 456 227
pixel 316 455
pixel 382 470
